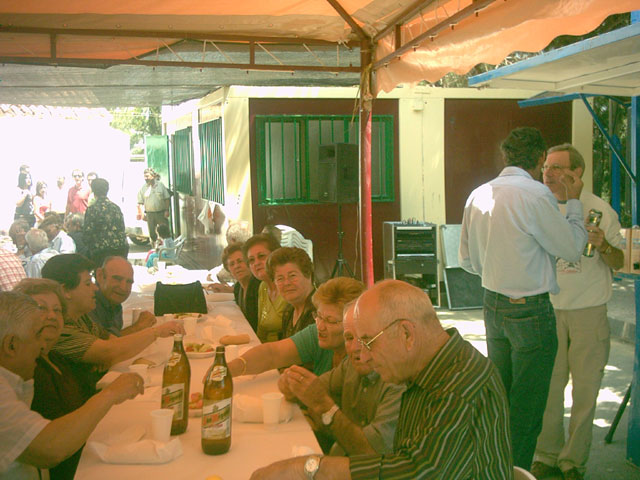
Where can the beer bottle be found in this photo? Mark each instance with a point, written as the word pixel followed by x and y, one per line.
pixel 216 407
pixel 175 386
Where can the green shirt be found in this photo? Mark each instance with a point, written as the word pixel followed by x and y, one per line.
pixel 453 423
pixel 306 342
pixel 269 315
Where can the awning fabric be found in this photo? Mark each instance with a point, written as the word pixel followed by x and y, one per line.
pixel 47 32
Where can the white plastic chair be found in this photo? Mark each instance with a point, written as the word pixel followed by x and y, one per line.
pixel 522 474
pixel 171 255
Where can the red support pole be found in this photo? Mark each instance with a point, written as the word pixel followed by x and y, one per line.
pixel 366 107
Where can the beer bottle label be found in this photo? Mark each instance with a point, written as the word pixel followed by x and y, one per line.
pixel 173 398
pixel 174 359
pixel 216 419
pixel 218 373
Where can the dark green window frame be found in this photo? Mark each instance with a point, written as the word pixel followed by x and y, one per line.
pixel 287 151
pixel 182 151
pixel 212 160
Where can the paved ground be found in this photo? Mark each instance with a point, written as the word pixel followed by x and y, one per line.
pixel 607 462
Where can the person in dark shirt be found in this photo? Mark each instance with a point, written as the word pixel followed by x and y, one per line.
pixel 245 291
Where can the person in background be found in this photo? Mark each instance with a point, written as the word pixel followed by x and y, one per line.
pixel 91 176
pixel 56 390
pixel 41 202
pixel 454 415
pixel 103 230
pixel 39 245
pixel 59 239
pixel 17 232
pixel 58 197
pixel 11 270
pixel 582 327
pixel 246 288
pixel 24 203
pixel 256 250
pixel 164 241
pixel 350 408
pixel 153 203
pixel 73 225
pixel 89 346
pixel 512 232
pixel 320 345
pixel 291 270
pixel 115 279
pixel 28 441
pixel 78 195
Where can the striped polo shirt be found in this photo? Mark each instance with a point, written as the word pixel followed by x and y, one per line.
pixel 453 423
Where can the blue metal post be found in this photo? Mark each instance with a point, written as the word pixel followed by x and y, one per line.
pixel 615 186
pixel 633 439
pixel 634 139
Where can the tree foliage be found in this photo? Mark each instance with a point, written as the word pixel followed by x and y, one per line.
pixel 137 122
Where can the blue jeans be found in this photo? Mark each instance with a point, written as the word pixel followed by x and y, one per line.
pixel 522 343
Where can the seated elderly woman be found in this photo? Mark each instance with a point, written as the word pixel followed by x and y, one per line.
pixel 245 290
pixel 57 391
pixel 291 270
pixel 256 250
pixel 320 344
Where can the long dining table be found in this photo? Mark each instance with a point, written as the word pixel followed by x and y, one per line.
pixel 253 444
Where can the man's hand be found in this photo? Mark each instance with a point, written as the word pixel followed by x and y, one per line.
pixel 283 385
pixel 219 288
pixel 125 387
pixel 595 235
pixel 138 216
pixel 289 469
pixel 308 389
pixel 573 184
pixel 145 320
pixel 168 329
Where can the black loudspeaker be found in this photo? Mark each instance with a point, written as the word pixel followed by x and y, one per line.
pixel 338 173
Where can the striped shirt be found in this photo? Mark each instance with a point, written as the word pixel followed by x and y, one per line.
pixel 11 270
pixel 453 423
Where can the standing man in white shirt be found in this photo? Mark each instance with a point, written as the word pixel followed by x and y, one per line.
pixel 512 231
pixel 153 203
pixel 582 328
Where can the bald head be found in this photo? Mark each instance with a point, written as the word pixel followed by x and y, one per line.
pixel 115 279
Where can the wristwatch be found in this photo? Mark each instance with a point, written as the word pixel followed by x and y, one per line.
pixel 327 417
pixel 607 250
pixel 311 466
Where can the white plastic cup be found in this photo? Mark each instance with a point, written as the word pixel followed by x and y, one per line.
pixel 135 314
pixel 190 324
pixel 142 370
pixel 161 424
pixel 162 266
pixel 271 408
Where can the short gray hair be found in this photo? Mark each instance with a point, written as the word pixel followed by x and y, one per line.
pixel 15 308
pixel 37 239
pixel 575 157
pixel 398 299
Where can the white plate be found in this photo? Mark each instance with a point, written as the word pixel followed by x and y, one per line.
pixel 200 354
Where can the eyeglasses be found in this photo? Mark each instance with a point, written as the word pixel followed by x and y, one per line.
pixel 367 344
pixel 78 176
pixel 329 321
pixel 554 168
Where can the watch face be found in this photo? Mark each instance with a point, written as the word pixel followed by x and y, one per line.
pixel 311 465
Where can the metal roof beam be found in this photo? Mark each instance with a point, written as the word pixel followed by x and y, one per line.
pixel 85 32
pixel 357 29
pixel 433 31
pixel 404 17
pixel 600 77
pixel 103 63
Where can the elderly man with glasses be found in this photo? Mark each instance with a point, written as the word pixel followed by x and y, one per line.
pixel 453 420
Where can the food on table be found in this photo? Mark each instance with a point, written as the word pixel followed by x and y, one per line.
pixel 143 361
pixel 235 339
pixel 183 315
pixel 195 401
pixel 198 348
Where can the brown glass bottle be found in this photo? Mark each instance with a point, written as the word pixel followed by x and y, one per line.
pixel 176 380
pixel 216 407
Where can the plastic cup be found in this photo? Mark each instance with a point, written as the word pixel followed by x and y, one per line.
pixel 162 266
pixel 271 408
pixel 142 370
pixel 190 324
pixel 135 313
pixel 161 424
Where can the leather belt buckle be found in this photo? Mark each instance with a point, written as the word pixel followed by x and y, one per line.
pixel 518 301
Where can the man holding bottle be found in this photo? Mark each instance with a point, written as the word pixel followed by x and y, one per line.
pixel 582 327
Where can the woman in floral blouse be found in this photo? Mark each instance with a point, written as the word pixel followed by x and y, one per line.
pixel 104 233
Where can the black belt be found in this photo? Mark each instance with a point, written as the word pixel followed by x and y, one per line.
pixel 522 300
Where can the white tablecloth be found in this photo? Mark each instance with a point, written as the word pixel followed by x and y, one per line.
pixel 252 445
